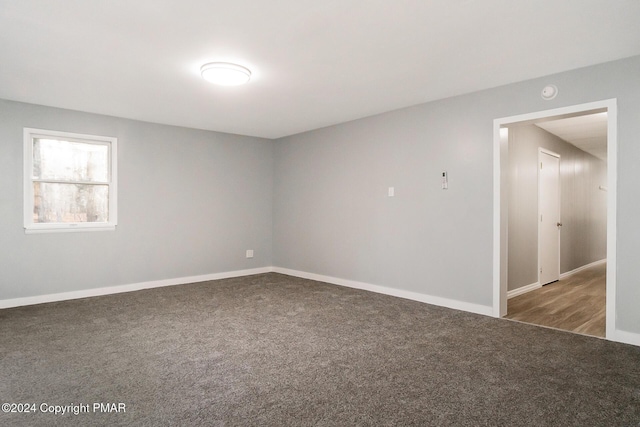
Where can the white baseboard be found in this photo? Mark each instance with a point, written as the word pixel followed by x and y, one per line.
pixel 86 293
pixel 429 299
pixel 619 336
pixel 626 337
pixel 523 290
pixel 528 288
pixel 584 267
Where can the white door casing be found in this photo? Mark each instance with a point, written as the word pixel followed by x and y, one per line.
pixel 549 224
pixel 500 213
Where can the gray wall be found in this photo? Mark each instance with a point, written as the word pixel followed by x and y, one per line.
pixel 189 203
pixel 583 236
pixel 332 216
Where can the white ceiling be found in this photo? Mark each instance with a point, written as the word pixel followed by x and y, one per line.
pixel 315 63
pixel 588 133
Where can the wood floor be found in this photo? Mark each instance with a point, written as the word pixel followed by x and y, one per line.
pixel 575 304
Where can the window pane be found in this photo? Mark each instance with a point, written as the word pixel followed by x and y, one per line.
pixel 65 203
pixel 70 161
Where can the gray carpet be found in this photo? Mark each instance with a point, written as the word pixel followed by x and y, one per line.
pixel 273 350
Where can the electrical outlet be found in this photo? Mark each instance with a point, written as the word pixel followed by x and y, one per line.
pixel 391 192
pixel 249 253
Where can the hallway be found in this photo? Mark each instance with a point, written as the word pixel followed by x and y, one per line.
pixel 576 303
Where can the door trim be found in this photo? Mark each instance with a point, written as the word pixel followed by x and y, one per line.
pixel 500 212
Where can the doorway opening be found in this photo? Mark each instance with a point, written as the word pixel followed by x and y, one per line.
pixel 521 262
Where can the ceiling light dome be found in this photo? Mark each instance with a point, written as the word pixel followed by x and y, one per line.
pixel 225 74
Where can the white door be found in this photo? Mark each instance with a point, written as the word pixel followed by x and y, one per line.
pixel 548 217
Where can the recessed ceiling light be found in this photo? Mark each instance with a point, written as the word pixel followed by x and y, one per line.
pixel 225 74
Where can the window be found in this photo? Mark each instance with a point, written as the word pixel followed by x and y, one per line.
pixel 70 181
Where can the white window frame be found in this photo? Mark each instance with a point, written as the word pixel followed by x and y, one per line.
pixel 31 227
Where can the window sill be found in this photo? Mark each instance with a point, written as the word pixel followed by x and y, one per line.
pixel 68 229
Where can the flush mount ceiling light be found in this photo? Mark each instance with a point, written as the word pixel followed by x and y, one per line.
pixel 225 74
